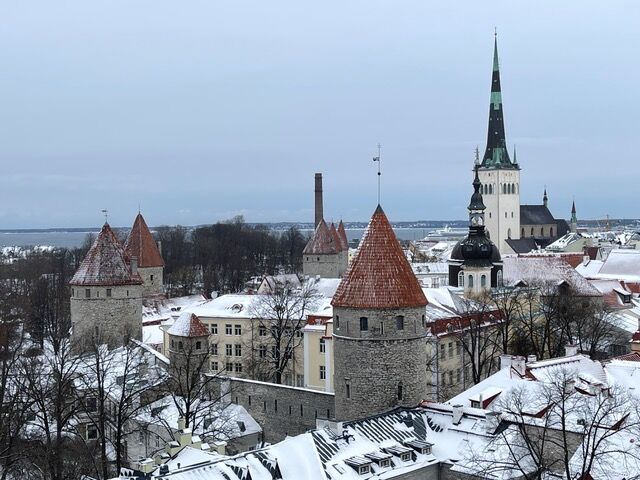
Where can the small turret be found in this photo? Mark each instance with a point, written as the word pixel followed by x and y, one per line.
pixel 545 198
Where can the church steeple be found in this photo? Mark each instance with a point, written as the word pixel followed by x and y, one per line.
pixel 476 207
pixel 574 218
pixel 545 198
pixel 496 154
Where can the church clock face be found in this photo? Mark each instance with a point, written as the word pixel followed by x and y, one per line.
pixel 477 221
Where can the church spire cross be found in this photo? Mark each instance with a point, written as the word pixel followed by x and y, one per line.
pixel 378 159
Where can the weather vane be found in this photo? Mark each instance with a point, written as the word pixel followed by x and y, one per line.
pixel 377 159
pixel 105 212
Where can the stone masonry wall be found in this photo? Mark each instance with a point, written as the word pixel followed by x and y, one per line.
pixel 115 316
pixel 327 266
pixel 279 409
pixel 153 281
pixel 372 366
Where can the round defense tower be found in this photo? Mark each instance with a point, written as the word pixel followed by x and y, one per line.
pixel 188 345
pixel 106 295
pixel 379 330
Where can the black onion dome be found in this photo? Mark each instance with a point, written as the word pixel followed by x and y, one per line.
pixel 476 199
pixel 476 250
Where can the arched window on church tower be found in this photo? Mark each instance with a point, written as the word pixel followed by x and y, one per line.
pixel 532 231
pixel 483 281
pixel 491 189
pixel 509 233
pixel 504 188
pixel 542 231
pixel 461 279
pixel 522 233
pixel 551 232
pixel 470 281
pixel 499 278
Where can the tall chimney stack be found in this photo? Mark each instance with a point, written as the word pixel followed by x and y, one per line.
pixel 318 191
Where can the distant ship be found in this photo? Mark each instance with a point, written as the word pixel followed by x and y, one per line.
pixel 447 232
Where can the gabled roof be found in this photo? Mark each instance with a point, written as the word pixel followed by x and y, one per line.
pixel 344 241
pixel 188 325
pixel 535 215
pixel 380 275
pixel 322 242
pixel 106 263
pixel 140 244
pixel 522 245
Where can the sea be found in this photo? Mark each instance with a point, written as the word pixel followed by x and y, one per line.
pixel 72 239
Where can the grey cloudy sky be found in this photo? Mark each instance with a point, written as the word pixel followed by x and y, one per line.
pixel 200 110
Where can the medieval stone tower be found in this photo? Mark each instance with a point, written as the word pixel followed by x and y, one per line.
pixel 141 247
pixel 475 263
pixel 499 176
pixel 106 295
pixel 188 345
pixel 327 251
pixel 379 329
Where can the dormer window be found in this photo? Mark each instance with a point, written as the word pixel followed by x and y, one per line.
pixel 405 457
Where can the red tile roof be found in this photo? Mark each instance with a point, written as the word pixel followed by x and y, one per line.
pixel 140 244
pixel 380 275
pixel 322 242
pixel 188 325
pixel 335 236
pixel 106 263
pixel 344 241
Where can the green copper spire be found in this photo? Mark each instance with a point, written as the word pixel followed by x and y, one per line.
pixel 496 154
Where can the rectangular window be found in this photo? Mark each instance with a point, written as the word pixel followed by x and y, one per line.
pixel 262 331
pixel 300 380
pixel 458 348
pixel 228 329
pixel 109 292
pixel 348 390
pixel 337 321
pixel 459 375
pixel 91 404
pixel 400 322
pixel 214 349
pixel 450 349
pixel 87 293
pixel 262 351
pixel 229 349
pixel 442 352
pixel 323 346
pixel 364 324
pixel 239 367
pixel 323 372
pixel 214 329
pixel 238 350
pixel 92 432
pixel 238 330
pixel 151 277
pixel 450 377
pixel 381 328
pixel 214 366
pixel 229 367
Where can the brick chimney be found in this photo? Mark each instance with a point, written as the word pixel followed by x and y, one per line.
pixel 318 200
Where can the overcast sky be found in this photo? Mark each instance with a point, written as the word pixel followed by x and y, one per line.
pixel 201 110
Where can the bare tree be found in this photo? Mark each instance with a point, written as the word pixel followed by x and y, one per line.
pixel 279 317
pixel 562 426
pixel 477 329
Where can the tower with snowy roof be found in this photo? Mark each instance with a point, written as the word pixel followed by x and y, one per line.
pixel 379 333
pixel 327 251
pixel 499 175
pixel 141 246
pixel 106 295
pixel 188 346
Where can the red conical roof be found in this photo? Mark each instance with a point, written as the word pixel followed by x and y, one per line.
pixel 344 242
pixel 106 263
pixel 335 237
pixel 322 242
pixel 188 325
pixel 140 244
pixel 380 275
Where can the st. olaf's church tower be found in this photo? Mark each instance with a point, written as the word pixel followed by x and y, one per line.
pixel 498 174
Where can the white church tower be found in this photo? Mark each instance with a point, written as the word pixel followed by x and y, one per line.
pixel 500 177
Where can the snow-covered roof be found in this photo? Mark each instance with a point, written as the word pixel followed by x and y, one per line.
pixel 621 264
pixel 188 325
pixel 541 269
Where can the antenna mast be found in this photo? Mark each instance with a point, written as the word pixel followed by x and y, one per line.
pixel 377 159
pixel 105 212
